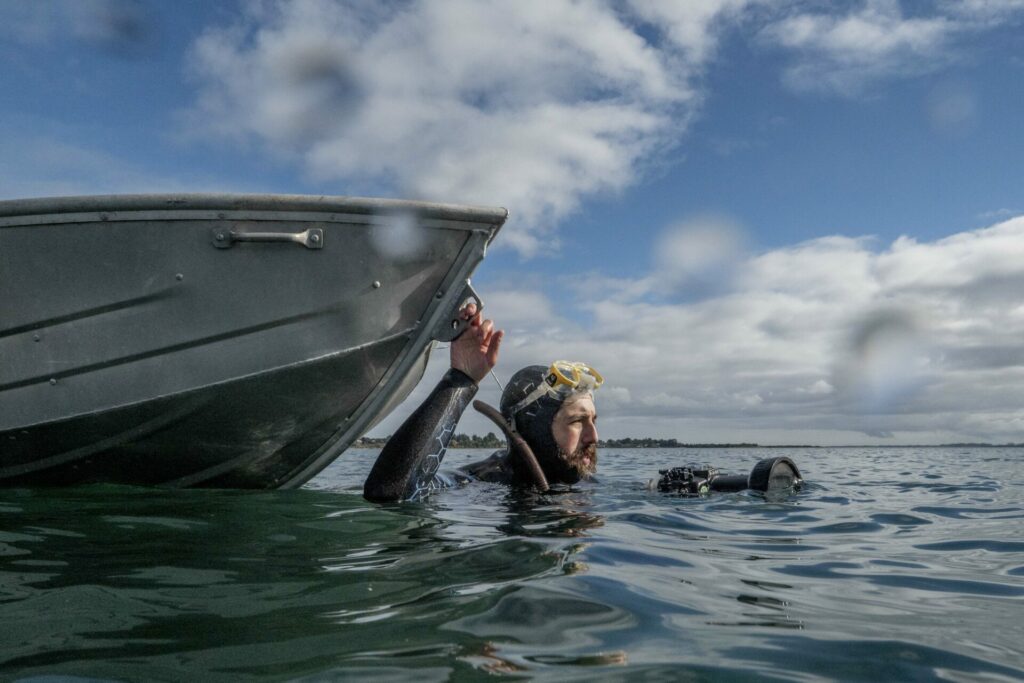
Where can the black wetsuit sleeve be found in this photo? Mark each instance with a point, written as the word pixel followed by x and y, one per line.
pixel 407 464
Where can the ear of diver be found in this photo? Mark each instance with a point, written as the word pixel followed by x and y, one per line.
pixel 523 461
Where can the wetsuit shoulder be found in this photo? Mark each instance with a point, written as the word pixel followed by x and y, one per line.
pixel 495 468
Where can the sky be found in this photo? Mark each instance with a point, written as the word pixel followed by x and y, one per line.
pixel 780 222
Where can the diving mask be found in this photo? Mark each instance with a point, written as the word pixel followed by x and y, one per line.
pixel 563 379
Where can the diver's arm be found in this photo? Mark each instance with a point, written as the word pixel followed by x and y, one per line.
pixel 408 462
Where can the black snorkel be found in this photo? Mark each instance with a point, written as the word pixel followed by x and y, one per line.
pixel 524 462
pixel 769 474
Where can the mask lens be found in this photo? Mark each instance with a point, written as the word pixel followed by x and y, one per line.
pixel 594 375
pixel 565 373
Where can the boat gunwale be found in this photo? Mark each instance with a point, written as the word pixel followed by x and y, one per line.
pixel 177 206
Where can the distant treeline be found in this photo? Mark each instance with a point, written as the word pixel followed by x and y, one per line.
pixel 976 445
pixel 647 442
pixel 458 441
pixel 493 441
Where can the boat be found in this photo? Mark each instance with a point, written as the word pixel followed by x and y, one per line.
pixel 218 340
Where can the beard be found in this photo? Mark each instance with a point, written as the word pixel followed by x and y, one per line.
pixel 579 464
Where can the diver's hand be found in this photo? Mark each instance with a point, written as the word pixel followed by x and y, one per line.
pixel 475 351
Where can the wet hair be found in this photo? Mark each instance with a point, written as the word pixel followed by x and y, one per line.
pixel 533 422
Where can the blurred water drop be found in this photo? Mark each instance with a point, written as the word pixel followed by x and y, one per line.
pixel 122 27
pixel 399 236
pixel 885 361
pixel 951 108
pixel 321 90
pixel 701 254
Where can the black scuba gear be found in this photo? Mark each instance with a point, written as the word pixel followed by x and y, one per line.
pixel 769 474
pixel 532 422
pixel 407 465
pixel 524 462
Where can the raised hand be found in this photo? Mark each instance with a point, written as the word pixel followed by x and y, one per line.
pixel 475 351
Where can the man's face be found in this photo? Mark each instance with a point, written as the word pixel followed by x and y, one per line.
pixel 575 431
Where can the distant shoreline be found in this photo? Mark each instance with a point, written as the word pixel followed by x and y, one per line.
pixel 460 441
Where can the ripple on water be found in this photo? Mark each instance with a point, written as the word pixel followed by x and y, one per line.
pixel 961 512
pixel 539 616
pixel 897 563
pixel 859 527
pixel 891 519
pixel 948 586
pixel 819 570
pixel 774 545
pixel 974 544
pixel 881 660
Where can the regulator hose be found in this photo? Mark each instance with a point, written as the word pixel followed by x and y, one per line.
pixel 522 459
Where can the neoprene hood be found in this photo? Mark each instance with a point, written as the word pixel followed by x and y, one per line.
pixel 533 422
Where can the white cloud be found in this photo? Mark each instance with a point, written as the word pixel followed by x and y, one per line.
pixel 955 262
pixel 820 387
pixel 531 105
pixel 846 53
pixel 691 25
pixel 828 341
pixel 983 10
pixel 534 105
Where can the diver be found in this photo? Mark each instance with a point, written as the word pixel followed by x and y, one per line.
pixel 549 421
pixel 547 414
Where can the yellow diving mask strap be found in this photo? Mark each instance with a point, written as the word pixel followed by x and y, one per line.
pixel 561 379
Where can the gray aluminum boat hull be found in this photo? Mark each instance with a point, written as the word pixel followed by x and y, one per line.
pixel 237 341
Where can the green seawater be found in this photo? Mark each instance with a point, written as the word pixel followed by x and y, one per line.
pixel 888 565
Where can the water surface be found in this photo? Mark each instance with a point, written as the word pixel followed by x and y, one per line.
pixel 891 564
